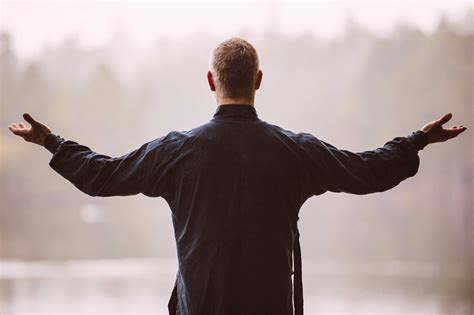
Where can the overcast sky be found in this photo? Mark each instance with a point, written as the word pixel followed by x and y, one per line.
pixel 35 24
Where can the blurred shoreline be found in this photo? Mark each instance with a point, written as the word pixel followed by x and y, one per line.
pixel 142 286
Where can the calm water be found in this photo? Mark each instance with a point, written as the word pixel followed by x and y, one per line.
pixel 143 286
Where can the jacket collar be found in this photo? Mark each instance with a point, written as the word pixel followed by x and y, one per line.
pixel 235 111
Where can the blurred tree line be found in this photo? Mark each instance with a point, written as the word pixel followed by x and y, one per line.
pixel 356 91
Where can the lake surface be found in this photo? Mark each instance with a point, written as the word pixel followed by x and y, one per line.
pixel 143 286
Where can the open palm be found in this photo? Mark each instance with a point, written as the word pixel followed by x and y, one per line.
pixel 36 133
pixel 436 133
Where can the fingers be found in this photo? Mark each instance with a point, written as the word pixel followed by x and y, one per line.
pixel 18 126
pixel 445 118
pixel 13 127
pixel 456 128
pixel 18 130
pixel 29 119
pixel 454 131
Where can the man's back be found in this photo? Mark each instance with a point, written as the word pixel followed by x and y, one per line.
pixel 238 193
pixel 238 185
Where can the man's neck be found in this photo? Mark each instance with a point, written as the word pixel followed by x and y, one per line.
pixel 235 101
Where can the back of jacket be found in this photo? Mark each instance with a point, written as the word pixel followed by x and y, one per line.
pixel 240 186
pixel 235 186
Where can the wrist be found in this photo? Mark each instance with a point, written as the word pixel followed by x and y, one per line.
pixel 52 142
pixel 420 139
pixel 43 138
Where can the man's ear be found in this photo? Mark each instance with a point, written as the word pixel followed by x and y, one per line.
pixel 259 79
pixel 210 80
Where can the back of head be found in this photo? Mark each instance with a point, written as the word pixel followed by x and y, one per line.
pixel 234 65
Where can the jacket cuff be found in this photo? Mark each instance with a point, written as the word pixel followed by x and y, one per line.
pixel 52 142
pixel 419 138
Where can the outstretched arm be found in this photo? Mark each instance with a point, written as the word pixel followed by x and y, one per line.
pixel 140 171
pixel 332 169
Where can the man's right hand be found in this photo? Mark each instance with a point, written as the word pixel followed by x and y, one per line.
pixel 435 132
pixel 36 133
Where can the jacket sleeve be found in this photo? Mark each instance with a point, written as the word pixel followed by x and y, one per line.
pixel 330 169
pixel 144 170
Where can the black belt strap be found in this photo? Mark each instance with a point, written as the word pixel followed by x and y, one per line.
pixel 173 302
pixel 297 277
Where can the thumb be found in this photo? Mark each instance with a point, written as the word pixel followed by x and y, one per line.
pixel 29 119
pixel 445 118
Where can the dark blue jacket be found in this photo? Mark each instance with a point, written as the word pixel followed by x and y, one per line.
pixel 235 186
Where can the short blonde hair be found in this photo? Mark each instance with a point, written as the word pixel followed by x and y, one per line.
pixel 234 65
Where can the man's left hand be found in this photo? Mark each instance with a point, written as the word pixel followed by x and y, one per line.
pixel 36 133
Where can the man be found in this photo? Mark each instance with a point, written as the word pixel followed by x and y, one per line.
pixel 235 186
